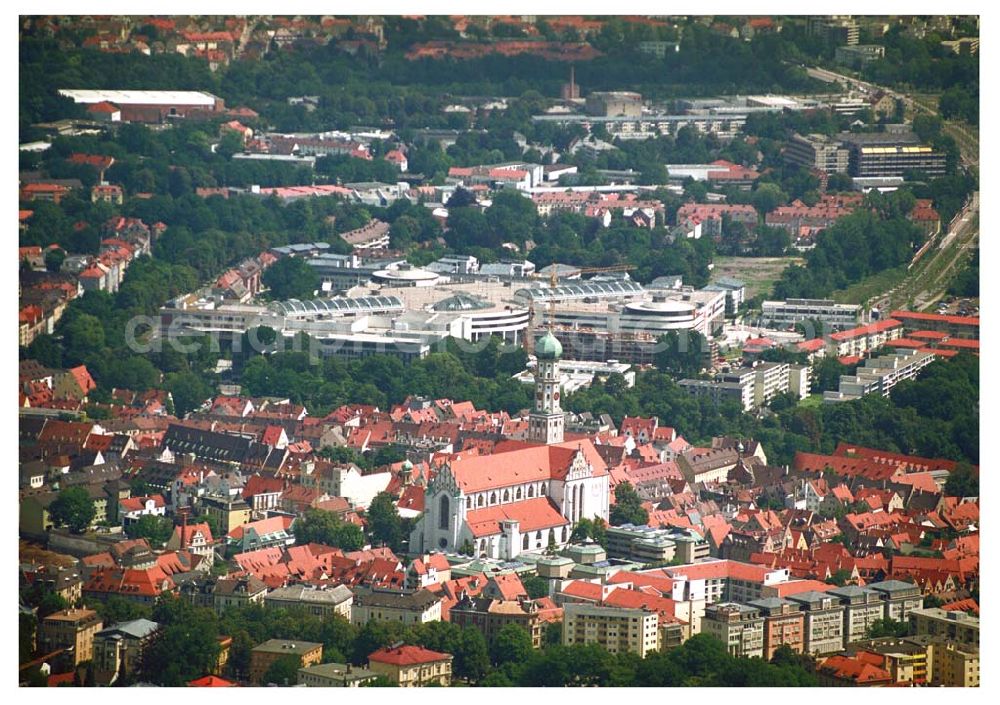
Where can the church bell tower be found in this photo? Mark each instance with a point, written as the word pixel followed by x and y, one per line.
pixel 546 421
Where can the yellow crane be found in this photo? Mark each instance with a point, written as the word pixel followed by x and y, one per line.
pixel 553 277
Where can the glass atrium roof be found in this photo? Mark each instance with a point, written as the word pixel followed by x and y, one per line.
pixel 337 305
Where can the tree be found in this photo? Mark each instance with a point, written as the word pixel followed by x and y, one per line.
pixel 291 278
pixel 627 508
pixel 284 671
pixel 963 481
pixel 840 577
pixel 681 353
pixel 54 259
pixel 73 508
pixel 536 586
pixel 155 529
pixel 512 644
pixel 593 529
pixel 472 659
pixel 188 391
pixel 318 526
pixel 887 627
pixel 767 197
pixel 83 337
pixel 384 522
pixel 187 649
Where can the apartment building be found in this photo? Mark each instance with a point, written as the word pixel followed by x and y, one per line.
pixel 263 655
pixel 751 387
pixel 719 391
pixel 824 622
pixel 335 675
pixel 858 341
pixel 72 629
pixel 859 55
pixel 784 624
pixel 697 585
pixel 878 375
pixel 491 615
pixel 387 605
pixel 319 601
pixel 862 608
pixel 237 592
pixel 740 627
pixel 118 650
pixel 412 666
pixel 616 629
pixel 953 326
pixel 770 380
pixel 956 626
pixel 907 660
pixel 954 665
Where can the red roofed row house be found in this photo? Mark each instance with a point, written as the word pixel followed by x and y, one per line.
pixel 710 216
pixel 803 222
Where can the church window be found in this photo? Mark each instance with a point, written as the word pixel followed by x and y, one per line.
pixel 524 542
pixel 506 495
pixel 444 512
pixel 493 498
pixel 479 502
pixel 531 490
pixel 517 493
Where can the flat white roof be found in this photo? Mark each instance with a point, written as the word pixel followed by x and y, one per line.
pixel 139 97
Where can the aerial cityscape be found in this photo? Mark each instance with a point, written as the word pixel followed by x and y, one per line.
pixel 498 351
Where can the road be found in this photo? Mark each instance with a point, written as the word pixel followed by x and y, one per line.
pixel 927 281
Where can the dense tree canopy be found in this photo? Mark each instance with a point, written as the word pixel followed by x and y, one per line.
pixel 73 508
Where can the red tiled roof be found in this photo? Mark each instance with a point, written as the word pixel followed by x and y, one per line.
pixel 917 316
pixel 515 463
pixel 264 526
pixel 211 682
pixel 533 515
pixel 856 669
pixel 407 656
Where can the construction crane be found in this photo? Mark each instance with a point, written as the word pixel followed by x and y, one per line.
pixel 553 277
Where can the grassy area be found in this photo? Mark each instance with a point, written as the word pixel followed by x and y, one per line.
pixel 813 401
pixel 759 273
pixel 869 287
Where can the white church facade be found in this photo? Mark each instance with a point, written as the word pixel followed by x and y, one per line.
pixel 524 497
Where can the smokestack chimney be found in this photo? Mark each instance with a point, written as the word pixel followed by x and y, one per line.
pixel 184 511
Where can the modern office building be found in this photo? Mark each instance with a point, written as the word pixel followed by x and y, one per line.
pixel 818 152
pixel 788 313
pixel 882 154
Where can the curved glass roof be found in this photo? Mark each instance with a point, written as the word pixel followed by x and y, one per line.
pixel 461 302
pixel 337 305
pixel 581 290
